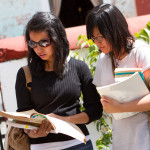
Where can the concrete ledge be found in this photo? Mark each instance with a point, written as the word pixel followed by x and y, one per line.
pixel 15 48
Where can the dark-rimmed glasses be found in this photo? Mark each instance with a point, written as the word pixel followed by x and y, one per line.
pixel 97 39
pixel 42 43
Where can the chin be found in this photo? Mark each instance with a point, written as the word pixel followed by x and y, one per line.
pixel 105 52
pixel 44 59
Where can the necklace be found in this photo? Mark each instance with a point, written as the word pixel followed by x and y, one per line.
pixel 119 58
pixel 116 61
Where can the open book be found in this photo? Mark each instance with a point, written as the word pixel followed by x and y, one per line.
pixel 32 120
pixel 132 88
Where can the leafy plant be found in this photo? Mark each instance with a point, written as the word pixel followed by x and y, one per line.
pixel 144 34
pixel 102 126
pixel 93 53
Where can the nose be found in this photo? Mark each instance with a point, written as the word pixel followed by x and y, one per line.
pixel 38 48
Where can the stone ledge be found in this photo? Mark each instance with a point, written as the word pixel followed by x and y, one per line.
pixel 15 48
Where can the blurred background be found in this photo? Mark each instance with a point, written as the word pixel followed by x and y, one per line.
pixel 14 14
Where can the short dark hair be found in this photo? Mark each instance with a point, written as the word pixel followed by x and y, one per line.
pixel 112 25
pixel 46 21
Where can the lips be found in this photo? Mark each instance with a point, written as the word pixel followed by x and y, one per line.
pixel 42 55
pixel 101 47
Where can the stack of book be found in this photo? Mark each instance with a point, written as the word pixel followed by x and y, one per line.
pixel 123 73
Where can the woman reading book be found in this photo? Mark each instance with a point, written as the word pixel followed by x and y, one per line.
pixel 57 83
pixel 108 28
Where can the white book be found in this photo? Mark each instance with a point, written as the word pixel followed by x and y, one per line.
pixel 20 125
pixel 23 125
pixel 132 88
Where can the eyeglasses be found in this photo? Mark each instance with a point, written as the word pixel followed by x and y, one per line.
pixel 42 43
pixel 97 39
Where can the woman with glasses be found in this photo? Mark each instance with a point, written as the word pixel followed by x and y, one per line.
pixel 57 83
pixel 108 28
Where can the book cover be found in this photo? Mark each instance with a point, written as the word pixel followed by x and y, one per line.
pixel 127 90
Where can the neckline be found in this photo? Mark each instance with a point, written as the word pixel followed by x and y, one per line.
pixel 68 59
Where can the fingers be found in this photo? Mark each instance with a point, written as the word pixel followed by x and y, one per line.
pixel 106 99
pixel 49 127
pixel 42 129
pixel 26 131
pixel 45 128
pixel 105 102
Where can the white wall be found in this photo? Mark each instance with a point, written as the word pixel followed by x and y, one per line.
pixel 14 15
pixel 127 7
pixel 8 71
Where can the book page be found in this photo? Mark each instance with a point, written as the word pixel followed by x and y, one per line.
pixel 67 128
pixel 127 90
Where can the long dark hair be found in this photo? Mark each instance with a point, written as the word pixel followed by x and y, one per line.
pixel 46 21
pixel 113 27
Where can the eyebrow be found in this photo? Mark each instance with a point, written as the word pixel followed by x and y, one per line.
pixel 97 35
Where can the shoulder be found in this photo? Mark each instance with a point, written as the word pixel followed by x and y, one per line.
pixel 141 50
pixel 141 47
pixel 102 60
pixel 80 67
pixel 20 78
pixel 103 57
pixel 139 43
pixel 142 54
pixel 77 63
pixel 20 73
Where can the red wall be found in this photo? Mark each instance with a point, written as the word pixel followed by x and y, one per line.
pixel 142 7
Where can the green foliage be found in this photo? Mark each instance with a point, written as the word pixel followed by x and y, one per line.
pixel 92 56
pixel 144 34
pixel 106 133
pixel 93 52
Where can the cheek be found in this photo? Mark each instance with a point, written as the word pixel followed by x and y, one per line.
pixel 108 46
pixel 50 50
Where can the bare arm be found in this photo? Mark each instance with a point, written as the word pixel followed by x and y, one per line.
pixel 80 118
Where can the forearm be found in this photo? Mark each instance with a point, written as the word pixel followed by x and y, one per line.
pixel 139 105
pixel 80 118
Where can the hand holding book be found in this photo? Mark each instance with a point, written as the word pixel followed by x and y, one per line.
pixel 110 105
pixel 126 90
pixel 32 118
